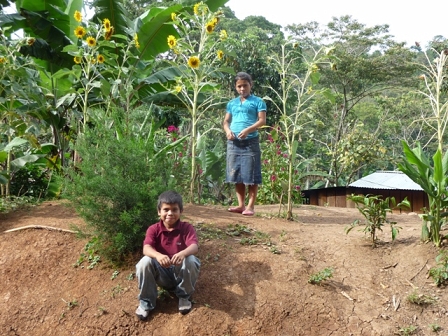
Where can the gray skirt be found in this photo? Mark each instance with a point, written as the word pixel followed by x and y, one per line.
pixel 243 161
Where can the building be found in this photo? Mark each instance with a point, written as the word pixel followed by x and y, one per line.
pixel 385 183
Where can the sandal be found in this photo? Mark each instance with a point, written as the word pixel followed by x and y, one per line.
pixel 248 213
pixel 236 210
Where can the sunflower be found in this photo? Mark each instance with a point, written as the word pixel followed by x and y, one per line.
pixel 91 42
pixel 196 8
pixel 100 58
pixel 106 25
pixel 173 16
pixel 109 33
pixel 3 60
pixel 92 60
pixel 77 59
pixel 78 16
pixel 215 21
pixel 172 41
pixel 223 35
pixel 209 27
pixel 220 54
pixel 30 41
pixel 80 32
pixel 137 45
pixel 194 62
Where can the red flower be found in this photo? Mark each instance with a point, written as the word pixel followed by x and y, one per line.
pixel 172 129
pixel 273 177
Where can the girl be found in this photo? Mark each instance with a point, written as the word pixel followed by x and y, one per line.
pixel 244 116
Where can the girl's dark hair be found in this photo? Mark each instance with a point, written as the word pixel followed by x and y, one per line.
pixel 243 76
pixel 170 197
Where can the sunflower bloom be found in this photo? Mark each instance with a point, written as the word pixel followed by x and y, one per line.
pixel 80 32
pixel 30 41
pixel 209 27
pixel 137 45
pixel 91 42
pixel 215 21
pixel 194 62
pixel 77 59
pixel 223 35
pixel 106 25
pixel 100 58
pixel 109 33
pixel 3 60
pixel 173 16
pixel 196 8
pixel 172 41
pixel 78 16
pixel 220 54
pixel 93 60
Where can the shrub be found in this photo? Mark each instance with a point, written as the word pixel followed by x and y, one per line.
pixel 116 185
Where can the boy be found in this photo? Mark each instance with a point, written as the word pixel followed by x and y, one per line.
pixel 169 248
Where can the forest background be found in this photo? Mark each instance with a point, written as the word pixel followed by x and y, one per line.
pixel 110 111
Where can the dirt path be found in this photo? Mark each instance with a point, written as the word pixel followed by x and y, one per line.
pixel 242 290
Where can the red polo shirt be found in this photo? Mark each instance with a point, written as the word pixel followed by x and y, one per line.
pixel 170 242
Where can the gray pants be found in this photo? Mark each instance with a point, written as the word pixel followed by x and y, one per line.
pixel 181 278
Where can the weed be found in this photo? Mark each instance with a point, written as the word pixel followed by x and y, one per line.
pixel 434 327
pixel 439 273
pixel 320 276
pixel 273 249
pixel 71 304
pixel 420 299
pixel 406 331
pixel 114 275
pixel 117 290
pixel 163 294
pixel 130 277
pixel 89 255
pixel 375 209
pixel 208 232
pixel 283 236
pixel 102 311
pixel 237 230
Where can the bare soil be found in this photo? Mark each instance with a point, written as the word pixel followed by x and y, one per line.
pixel 242 289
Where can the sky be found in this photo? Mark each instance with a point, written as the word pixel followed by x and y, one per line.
pixel 408 21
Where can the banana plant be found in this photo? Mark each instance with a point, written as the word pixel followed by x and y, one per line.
pixel 434 181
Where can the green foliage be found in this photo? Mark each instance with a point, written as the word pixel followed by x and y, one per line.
pixel 13 203
pixel 439 273
pixel 420 299
pixel 116 184
pixel 434 327
pixel 319 277
pixel 407 331
pixel 375 209
pixel 433 178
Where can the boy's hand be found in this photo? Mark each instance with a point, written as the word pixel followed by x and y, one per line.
pixel 177 258
pixel 164 261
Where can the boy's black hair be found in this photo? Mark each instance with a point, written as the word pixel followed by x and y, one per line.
pixel 170 197
pixel 243 76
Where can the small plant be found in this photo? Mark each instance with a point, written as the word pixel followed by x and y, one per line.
pixel 114 275
pixel 89 255
pixel 434 327
pixel 237 230
pixel 439 273
pixel 406 331
pixel 375 209
pixel 420 299
pixel 71 304
pixel 208 232
pixel 130 277
pixel 102 311
pixel 319 277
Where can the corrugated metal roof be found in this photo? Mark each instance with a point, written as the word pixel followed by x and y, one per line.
pixel 386 180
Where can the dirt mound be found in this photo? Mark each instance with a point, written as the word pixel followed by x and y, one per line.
pixel 243 289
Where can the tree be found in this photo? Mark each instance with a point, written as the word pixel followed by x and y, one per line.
pixel 367 64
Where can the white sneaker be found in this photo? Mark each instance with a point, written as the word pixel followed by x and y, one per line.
pixel 184 306
pixel 141 313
